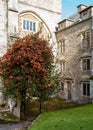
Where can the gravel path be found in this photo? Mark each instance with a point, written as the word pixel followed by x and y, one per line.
pixel 18 126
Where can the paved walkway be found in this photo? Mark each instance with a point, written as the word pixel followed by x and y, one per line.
pixel 19 126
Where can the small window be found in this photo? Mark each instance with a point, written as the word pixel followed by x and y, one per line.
pixel 86 88
pixel 62 66
pixel 34 26
pixel 85 39
pixel 29 25
pixel 84 13
pixel 86 64
pixel 62 46
pixel 88 39
pixel 83 35
pixel 87 34
pixel 24 24
pixel 62 86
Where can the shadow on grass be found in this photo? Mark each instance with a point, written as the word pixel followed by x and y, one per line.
pixel 32 109
pixel 47 106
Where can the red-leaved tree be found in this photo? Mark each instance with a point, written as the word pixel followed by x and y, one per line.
pixel 26 69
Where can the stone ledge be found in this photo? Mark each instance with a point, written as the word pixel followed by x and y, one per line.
pixel 14 10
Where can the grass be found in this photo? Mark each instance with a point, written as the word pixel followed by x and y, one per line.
pixel 33 109
pixel 80 118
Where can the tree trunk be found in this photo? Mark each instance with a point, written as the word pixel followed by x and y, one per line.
pixel 23 103
pixel 23 108
pixel 40 107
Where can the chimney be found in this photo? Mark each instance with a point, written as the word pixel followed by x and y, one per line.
pixel 81 7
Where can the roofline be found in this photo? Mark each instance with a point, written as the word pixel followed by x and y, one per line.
pixel 73 25
pixel 81 4
pixel 65 20
pixel 86 8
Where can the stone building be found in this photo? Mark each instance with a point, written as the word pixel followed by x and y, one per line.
pixel 74 59
pixel 20 17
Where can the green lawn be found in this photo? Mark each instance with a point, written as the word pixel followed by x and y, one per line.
pixel 80 118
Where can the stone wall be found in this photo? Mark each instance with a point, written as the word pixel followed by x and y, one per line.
pixel 53 5
pixel 73 55
pixel 3 34
pixel 49 13
pixel 12 11
pixel 44 30
pixel 3 27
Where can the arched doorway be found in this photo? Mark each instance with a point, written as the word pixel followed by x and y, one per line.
pixel 69 90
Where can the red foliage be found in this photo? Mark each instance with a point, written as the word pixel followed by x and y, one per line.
pixel 27 62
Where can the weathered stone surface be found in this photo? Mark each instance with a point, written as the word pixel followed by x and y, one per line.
pixel 53 5
pixel 12 12
pixel 74 53
pixel 3 27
